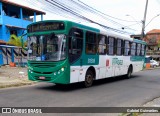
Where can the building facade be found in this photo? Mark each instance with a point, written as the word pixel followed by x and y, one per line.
pixel 14 18
pixel 153 43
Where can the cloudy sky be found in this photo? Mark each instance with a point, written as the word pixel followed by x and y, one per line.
pixel 132 10
pixel 129 10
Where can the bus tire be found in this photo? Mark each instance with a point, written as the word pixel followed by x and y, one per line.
pixel 89 79
pixel 129 72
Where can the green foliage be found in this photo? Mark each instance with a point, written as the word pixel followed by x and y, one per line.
pixel 14 40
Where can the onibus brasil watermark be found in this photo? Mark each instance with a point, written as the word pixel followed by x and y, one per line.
pixel 21 110
pixel 80 110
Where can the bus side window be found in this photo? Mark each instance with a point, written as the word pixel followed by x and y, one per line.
pixel 119 47
pixel 111 45
pixel 91 47
pixel 102 44
pixel 127 46
pixel 143 50
pixel 138 49
pixel 133 49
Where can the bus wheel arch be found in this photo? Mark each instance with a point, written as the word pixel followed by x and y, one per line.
pixel 89 77
pixel 129 72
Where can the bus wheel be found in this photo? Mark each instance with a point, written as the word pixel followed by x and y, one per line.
pixel 129 72
pixel 88 79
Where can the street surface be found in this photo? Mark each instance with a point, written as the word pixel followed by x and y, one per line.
pixel 144 86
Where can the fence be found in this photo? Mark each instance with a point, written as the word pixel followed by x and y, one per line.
pixel 12 54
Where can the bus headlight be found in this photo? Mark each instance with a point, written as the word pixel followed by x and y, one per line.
pixel 59 71
pixel 62 69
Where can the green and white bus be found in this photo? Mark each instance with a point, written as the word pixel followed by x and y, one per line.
pixel 64 52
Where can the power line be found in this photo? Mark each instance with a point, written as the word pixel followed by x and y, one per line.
pixel 94 11
pixel 104 13
pixel 81 16
pixel 62 9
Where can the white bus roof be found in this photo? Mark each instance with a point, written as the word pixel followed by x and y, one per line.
pixel 108 32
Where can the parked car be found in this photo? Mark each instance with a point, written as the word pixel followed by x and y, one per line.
pixel 154 63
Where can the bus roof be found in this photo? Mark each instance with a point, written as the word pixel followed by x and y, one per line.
pixel 139 41
pixel 107 32
pixel 97 28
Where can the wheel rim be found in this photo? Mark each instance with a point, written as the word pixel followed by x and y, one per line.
pixel 88 80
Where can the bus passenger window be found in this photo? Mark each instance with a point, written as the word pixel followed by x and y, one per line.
pixel 102 45
pixel 127 50
pixel 133 49
pixel 143 50
pixel 138 49
pixel 119 47
pixel 111 46
pixel 91 47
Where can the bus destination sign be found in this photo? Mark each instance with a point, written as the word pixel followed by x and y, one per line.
pixel 47 26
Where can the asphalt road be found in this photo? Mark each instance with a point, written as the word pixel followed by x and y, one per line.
pixel 114 92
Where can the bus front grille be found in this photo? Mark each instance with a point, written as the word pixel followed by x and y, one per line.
pixel 42 72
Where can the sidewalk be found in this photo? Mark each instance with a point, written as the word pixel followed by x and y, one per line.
pixel 13 77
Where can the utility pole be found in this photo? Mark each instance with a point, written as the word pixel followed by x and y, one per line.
pixel 144 20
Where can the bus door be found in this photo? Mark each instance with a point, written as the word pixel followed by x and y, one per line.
pixel 75 46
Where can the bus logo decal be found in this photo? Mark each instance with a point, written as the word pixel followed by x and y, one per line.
pixel 116 61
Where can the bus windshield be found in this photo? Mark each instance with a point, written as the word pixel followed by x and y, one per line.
pixel 47 47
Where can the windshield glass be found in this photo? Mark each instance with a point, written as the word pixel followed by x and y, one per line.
pixel 47 47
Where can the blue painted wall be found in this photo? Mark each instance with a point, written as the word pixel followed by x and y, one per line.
pixel 9 20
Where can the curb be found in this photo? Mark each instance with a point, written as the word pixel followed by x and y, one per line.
pixel 151 68
pixel 17 84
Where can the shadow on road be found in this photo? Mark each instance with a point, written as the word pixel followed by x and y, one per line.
pixel 78 86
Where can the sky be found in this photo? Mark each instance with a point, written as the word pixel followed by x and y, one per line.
pixel 130 10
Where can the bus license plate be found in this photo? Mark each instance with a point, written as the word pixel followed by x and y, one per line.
pixel 42 78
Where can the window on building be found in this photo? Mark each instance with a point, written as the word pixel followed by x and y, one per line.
pixel 102 47
pixel 13 32
pixel 91 47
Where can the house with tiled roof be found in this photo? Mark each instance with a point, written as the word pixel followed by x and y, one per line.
pixel 153 41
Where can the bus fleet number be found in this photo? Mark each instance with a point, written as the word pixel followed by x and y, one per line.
pixel 91 60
